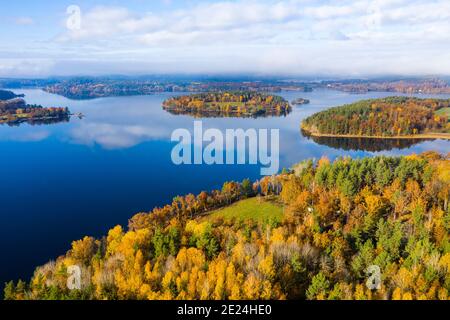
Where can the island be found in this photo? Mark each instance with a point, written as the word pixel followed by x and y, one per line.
pixel 391 117
pixel 228 104
pixel 300 101
pixel 14 110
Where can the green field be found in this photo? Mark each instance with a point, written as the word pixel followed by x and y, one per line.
pixel 258 209
pixel 444 111
pixel 227 104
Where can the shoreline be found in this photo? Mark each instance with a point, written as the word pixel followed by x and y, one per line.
pixel 25 119
pixel 444 136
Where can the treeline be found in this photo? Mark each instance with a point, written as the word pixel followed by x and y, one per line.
pixel 191 206
pixel 241 104
pixel 91 88
pixel 431 86
pixel 386 117
pixel 340 218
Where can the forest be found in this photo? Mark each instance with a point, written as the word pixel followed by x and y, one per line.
pixel 409 86
pixel 17 110
pixel 337 219
pixel 228 104
pixel 385 117
pixel 97 87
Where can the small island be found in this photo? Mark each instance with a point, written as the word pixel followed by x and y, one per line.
pixel 392 117
pixel 299 101
pixel 228 104
pixel 14 110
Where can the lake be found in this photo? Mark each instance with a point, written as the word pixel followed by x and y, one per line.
pixel 63 181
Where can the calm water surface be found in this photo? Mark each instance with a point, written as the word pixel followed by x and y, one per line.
pixel 63 181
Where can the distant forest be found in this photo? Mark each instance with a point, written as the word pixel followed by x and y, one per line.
pixel 97 87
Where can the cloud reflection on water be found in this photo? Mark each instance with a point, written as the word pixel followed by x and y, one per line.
pixel 126 122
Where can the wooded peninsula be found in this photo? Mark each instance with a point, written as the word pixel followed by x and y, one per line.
pixel 392 117
pixel 310 232
pixel 228 104
pixel 14 110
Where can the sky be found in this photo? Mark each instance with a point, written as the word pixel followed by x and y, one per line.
pixel 357 38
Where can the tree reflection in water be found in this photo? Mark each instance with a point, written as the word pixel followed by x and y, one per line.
pixel 364 144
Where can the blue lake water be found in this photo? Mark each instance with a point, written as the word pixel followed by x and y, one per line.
pixel 63 181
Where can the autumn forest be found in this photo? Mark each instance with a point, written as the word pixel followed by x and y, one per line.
pixel 228 104
pixel 337 219
pixel 14 110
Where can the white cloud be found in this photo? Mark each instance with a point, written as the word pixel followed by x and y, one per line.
pixel 263 21
pixel 25 66
pixel 115 136
pixel 205 18
pixel 293 36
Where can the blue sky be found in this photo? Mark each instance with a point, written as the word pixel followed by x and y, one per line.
pixel 285 37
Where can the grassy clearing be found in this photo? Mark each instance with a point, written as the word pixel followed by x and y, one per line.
pixel 444 112
pixel 258 209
